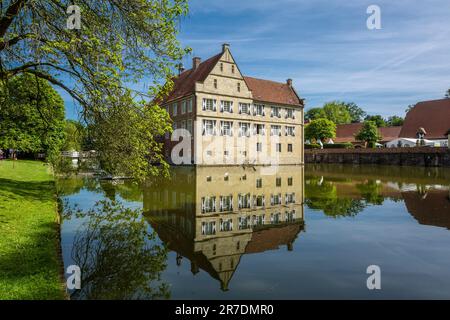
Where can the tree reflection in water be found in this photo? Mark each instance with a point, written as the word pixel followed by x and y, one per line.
pixel 118 255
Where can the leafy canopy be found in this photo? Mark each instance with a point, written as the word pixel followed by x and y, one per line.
pixel 31 116
pixel 118 44
pixel 337 112
pixel 379 120
pixel 320 129
pixel 368 133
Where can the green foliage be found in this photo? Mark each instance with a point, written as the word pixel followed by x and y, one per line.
pixel 323 195
pixel 118 255
pixel 356 113
pixel 368 133
pixel 408 109
pixel 337 112
pixel 118 44
pixel 75 136
pixel 31 116
pixel 320 129
pixel 447 94
pixel 314 113
pixel 126 137
pixel 312 146
pixel 29 243
pixel 345 145
pixel 377 119
pixel 395 121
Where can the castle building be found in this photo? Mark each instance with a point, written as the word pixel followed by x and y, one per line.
pixel 232 119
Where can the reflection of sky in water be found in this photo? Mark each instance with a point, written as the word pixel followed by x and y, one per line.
pixel 330 256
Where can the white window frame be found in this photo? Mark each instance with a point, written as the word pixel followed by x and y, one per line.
pixel 209 127
pixel 247 131
pixel 258 110
pixel 222 106
pixel 209 104
pixel 228 131
pixel 247 105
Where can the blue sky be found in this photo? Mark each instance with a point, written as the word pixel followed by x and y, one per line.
pixel 326 48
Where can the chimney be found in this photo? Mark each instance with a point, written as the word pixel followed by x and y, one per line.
pixel 225 47
pixel 289 82
pixel 196 62
pixel 180 68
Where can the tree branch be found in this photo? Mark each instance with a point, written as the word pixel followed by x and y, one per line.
pixel 11 12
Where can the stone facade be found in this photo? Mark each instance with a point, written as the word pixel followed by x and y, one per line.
pixel 216 102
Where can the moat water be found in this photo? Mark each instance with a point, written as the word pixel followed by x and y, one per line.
pixel 284 232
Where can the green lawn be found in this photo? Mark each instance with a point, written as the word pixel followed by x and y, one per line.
pixel 29 232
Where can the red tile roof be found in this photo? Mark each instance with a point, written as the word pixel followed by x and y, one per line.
pixel 184 84
pixel 271 91
pixel 262 90
pixel 433 116
pixel 347 132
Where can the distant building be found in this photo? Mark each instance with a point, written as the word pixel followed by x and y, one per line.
pixel 347 132
pixel 429 120
pixel 234 119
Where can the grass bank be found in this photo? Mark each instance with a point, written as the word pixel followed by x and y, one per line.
pixel 29 232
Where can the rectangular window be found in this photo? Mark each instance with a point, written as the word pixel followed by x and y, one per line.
pixel 232 68
pixel 258 146
pixel 275 130
pixel 244 222
pixel 244 129
pixel 290 113
pixel 258 201
pixel 221 67
pixel 290 181
pixel 183 124
pixel 183 107
pixel 290 198
pixel 239 87
pixel 226 128
pixel 226 106
pixel 244 108
pixel 278 147
pixel 226 203
pixel 259 183
pixel 226 225
pixel 289 147
pixel 275 112
pixel 208 228
pixel 275 217
pixel 189 105
pixel 175 109
pixel 259 129
pixel 290 131
pixel 276 199
pixel 258 220
pixel 208 204
pixel 209 127
pixel 209 104
pixel 215 83
pixel 278 182
pixel 258 110
pixel 244 201
pixel 290 216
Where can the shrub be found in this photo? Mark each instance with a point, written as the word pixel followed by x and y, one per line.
pixel 312 146
pixel 371 144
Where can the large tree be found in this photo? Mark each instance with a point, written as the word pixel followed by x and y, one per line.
pixel 314 113
pixel 356 113
pixel 377 119
pixel 31 116
pixel 395 121
pixel 75 136
pixel 320 129
pixel 337 112
pixel 119 43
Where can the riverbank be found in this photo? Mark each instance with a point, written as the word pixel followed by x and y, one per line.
pixel 30 262
pixel 417 156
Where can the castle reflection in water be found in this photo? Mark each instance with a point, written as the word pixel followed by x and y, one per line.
pixel 215 215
